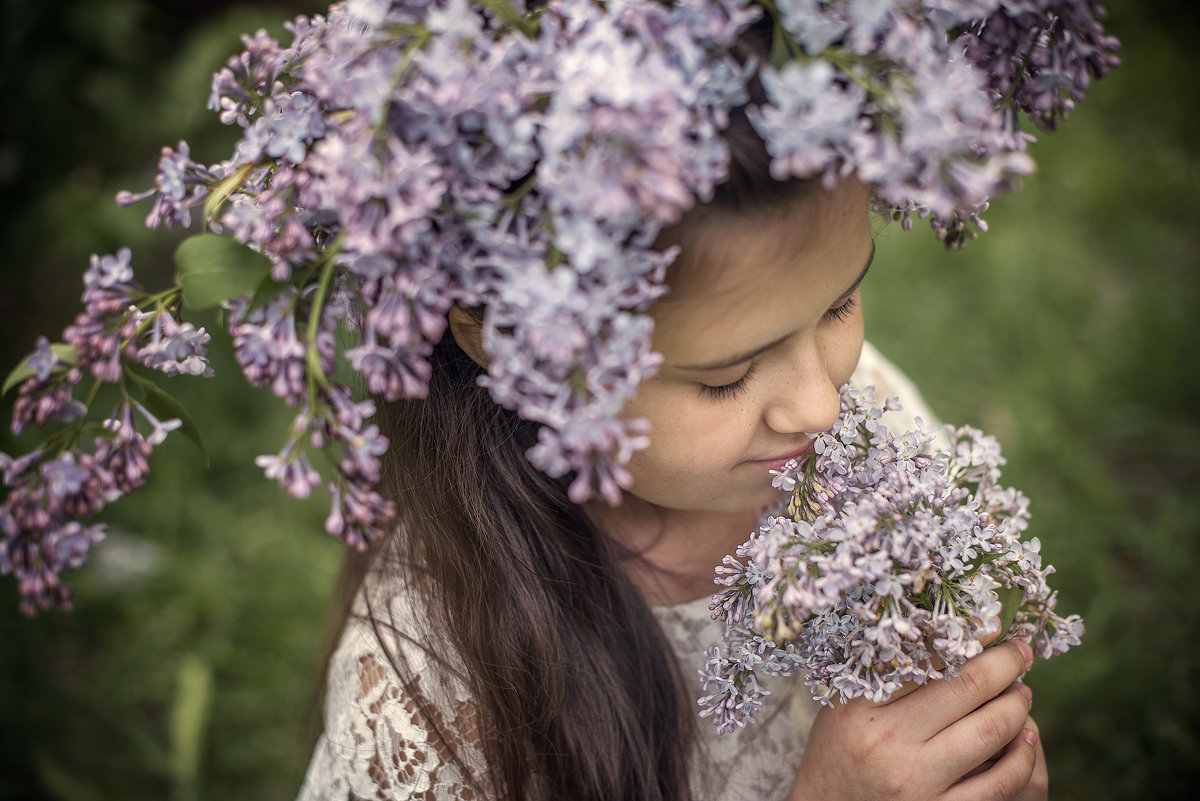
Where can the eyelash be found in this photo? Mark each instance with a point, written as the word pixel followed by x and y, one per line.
pixel 732 389
pixel 840 313
pixel 726 391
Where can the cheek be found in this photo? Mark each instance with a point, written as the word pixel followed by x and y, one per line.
pixel 843 352
pixel 689 436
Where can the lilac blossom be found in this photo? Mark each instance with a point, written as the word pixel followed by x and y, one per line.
pixel 292 469
pixel 45 396
pixel 108 285
pixel 812 121
pixel 90 466
pixel 175 348
pixel 238 89
pixel 357 514
pixel 893 561
pixel 39 519
pixel 1060 45
pixel 269 347
pixel 181 184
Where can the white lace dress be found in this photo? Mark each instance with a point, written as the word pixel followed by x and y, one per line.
pixel 377 746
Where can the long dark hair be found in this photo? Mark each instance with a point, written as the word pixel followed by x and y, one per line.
pixel 575 689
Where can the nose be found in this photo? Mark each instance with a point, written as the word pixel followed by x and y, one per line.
pixel 807 400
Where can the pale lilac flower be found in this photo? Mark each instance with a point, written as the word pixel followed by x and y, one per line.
pixel 812 120
pixel 181 184
pixel 175 348
pixel 295 122
pixel 159 429
pixel 42 360
pixel 292 469
pixel 357 514
pixel 108 284
pixel 42 400
pixel 239 88
pixel 99 344
pixel 889 570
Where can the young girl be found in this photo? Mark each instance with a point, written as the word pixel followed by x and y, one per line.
pixel 504 637
pixel 505 642
pixel 514 195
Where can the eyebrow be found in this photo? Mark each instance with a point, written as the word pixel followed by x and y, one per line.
pixel 745 357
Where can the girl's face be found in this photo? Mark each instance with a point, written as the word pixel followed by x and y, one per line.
pixel 763 324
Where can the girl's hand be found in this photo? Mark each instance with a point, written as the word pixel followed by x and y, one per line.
pixel 966 739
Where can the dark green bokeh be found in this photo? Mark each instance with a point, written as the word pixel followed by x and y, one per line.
pixel 188 668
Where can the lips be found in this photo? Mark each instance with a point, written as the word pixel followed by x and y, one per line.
pixel 777 462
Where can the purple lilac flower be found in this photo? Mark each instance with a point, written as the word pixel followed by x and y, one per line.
pixel 268 346
pixel 108 284
pixel 357 514
pixel 1062 48
pixel 239 87
pixel 338 425
pixel 292 469
pixel 890 566
pixel 812 121
pixel 42 535
pixel 41 400
pixel 181 183
pixel 52 490
pixel 126 454
pixel 175 348
pixel 99 345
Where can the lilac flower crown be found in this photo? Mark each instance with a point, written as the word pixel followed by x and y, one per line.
pixel 400 158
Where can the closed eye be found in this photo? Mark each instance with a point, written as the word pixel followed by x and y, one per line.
pixel 726 391
pixel 843 311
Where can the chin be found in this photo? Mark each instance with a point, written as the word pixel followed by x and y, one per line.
pixel 750 502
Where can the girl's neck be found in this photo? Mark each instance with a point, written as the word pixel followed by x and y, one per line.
pixel 669 554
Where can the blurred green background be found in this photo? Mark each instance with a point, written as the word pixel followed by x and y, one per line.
pixel 189 667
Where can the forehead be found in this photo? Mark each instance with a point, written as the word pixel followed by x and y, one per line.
pixel 741 282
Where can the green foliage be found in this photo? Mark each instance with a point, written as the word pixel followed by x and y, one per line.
pixel 189 666
pixel 213 269
pixel 165 407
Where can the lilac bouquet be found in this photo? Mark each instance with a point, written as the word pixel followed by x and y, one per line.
pixel 892 562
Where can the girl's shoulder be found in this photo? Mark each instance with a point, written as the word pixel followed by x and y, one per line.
pixel 875 369
pixel 399 722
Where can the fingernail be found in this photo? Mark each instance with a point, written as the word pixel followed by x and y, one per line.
pixel 1026 653
pixel 1030 736
pixel 1024 690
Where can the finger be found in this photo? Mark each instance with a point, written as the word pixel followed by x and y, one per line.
pixel 1012 777
pixel 984 734
pixel 1038 788
pixel 985 766
pixel 982 678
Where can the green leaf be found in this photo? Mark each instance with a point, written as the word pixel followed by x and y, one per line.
pixel 165 407
pixel 212 269
pixel 1010 602
pixel 65 354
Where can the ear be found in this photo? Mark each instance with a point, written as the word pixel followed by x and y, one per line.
pixel 467 331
